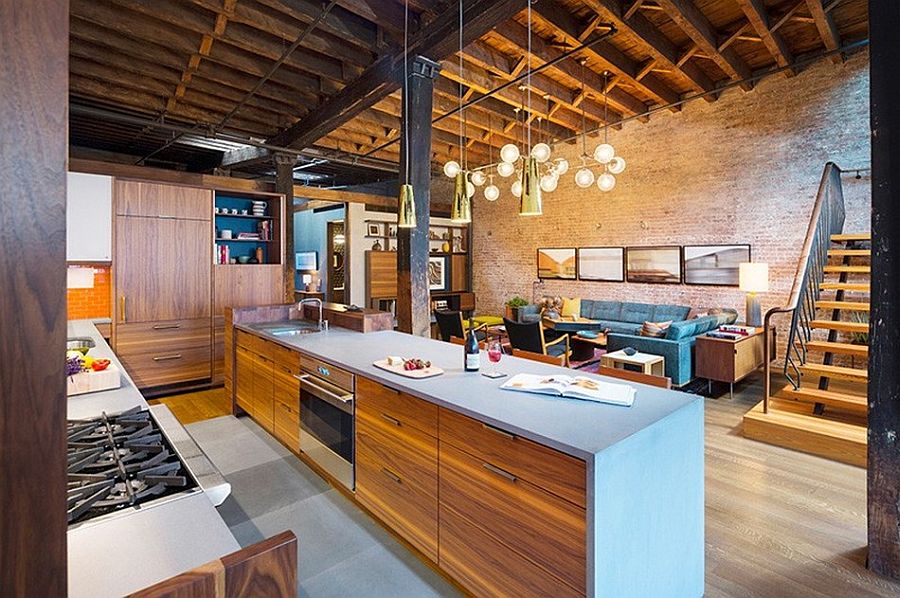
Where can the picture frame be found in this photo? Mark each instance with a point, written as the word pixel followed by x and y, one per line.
pixel 438 273
pixel 604 264
pixel 557 263
pixel 373 229
pixel 714 264
pixel 306 260
pixel 659 264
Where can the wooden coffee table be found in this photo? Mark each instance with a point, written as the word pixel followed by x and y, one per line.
pixel 571 324
pixel 654 365
pixel 583 348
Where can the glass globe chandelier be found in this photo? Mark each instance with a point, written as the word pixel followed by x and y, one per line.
pixel 604 154
pixel 463 188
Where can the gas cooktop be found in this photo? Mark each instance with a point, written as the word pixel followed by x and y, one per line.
pixel 117 462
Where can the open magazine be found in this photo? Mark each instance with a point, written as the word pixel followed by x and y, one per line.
pixel 574 387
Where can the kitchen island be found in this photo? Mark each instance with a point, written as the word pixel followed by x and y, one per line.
pixel 507 493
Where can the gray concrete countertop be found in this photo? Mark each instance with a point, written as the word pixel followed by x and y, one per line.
pixel 579 428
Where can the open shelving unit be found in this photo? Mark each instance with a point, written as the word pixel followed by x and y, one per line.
pixel 229 208
pixel 385 232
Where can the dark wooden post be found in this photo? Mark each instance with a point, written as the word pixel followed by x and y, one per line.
pixel 413 301
pixel 34 67
pixel 284 183
pixel 884 375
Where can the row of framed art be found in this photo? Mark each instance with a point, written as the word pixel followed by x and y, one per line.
pixel 668 264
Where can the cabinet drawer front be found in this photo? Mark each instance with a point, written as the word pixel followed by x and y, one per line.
pixel 395 407
pixel 168 365
pixel 285 388
pixel 243 339
pixel 542 527
pixel 331 373
pixel 556 472
pixel 263 408
pixel 146 336
pixel 486 567
pixel 396 478
pixel 286 425
pixel 157 200
pixel 244 383
pixel 284 357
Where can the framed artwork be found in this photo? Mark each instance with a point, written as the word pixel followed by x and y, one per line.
pixel 661 265
pixel 601 263
pixel 557 263
pixel 714 264
pixel 374 229
pixel 438 276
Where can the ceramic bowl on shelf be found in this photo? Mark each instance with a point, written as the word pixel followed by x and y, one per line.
pixel 243 259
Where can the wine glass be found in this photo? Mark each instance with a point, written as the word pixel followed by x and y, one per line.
pixel 495 352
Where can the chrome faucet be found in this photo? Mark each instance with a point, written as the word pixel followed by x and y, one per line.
pixel 318 302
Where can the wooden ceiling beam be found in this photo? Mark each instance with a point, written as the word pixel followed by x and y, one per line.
pixel 695 24
pixel 437 40
pixel 489 59
pixel 543 52
pixel 339 22
pixel 826 27
pixel 385 13
pixel 657 43
pixel 614 60
pixel 758 17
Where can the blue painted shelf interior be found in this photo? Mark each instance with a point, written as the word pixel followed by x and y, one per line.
pixel 240 223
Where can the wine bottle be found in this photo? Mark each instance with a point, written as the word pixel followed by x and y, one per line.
pixel 472 352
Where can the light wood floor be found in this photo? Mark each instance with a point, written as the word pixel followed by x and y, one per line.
pixel 778 523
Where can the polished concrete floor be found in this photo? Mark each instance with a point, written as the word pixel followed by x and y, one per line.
pixel 778 523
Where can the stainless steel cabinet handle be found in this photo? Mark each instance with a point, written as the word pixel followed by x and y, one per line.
pixel 393 420
pixel 301 376
pixel 391 475
pixel 500 472
pixel 166 326
pixel 503 433
pixel 167 357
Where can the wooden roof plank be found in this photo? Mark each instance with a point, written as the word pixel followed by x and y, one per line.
pixel 758 17
pixel 827 29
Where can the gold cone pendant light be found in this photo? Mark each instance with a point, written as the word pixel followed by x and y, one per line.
pixel 461 212
pixel 406 214
pixel 530 200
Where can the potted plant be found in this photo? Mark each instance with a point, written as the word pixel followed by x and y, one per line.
pixel 512 308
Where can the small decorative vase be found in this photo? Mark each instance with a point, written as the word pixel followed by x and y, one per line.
pixel 445 247
pixel 376 246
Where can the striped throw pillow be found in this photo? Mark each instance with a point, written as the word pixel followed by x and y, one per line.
pixel 655 329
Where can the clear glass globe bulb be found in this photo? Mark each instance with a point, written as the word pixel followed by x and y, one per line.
pixel 516 188
pixel 604 152
pixel 562 166
pixel 505 169
pixel 491 193
pixel 509 153
pixel 584 178
pixel 606 182
pixel 452 168
pixel 549 183
pixel 470 189
pixel 541 152
pixel 479 178
pixel 617 165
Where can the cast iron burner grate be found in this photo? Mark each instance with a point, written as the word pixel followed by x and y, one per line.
pixel 120 461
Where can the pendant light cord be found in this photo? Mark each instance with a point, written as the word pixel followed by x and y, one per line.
pixel 605 106
pixel 462 157
pixel 529 79
pixel 406 91
pixel 583 118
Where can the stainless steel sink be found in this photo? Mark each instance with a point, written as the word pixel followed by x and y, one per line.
pixel 288 328
pixel 83 344
pixel 293 331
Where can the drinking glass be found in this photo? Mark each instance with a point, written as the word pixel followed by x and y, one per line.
pixel 495 352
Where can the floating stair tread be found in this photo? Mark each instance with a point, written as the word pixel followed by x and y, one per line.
pixel 849 269
pixel 840 326
pixel 834 371
pixel 850 252
pixel 844 305
pixel 846 286
pixel 835 347
pixel 829 398
pixel 791 424
pixel 844 237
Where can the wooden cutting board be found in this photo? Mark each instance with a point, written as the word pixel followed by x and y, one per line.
pixel 92 381
pixel 429 372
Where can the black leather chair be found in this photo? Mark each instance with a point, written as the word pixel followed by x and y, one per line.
pixel 450 323
pixel 530 337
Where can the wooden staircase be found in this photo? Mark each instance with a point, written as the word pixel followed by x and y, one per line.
pixel 825 413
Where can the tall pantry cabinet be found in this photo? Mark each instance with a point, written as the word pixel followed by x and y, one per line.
pixel 162 321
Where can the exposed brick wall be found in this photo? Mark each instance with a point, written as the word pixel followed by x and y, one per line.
pixel 91 303
pixel 742 169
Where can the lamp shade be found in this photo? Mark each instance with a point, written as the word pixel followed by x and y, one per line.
pixel 406 211
pixel 307 278
pixel 530 200
pixel 461 210
pixel 754 277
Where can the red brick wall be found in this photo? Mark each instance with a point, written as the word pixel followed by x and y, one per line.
pixel 91 303
pixel 742 169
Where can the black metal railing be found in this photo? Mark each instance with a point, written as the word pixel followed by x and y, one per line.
pixel 827 219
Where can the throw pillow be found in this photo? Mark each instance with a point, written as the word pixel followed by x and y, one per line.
pixel 571 307
pixel 655 329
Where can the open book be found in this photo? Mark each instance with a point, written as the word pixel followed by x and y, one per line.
pixel 574 387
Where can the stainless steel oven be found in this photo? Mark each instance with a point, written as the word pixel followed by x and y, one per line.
pixel 327 418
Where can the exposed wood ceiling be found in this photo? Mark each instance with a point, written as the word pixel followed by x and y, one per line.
pixel 156 79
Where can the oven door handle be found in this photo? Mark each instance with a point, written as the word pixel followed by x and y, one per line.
pixel 342 402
